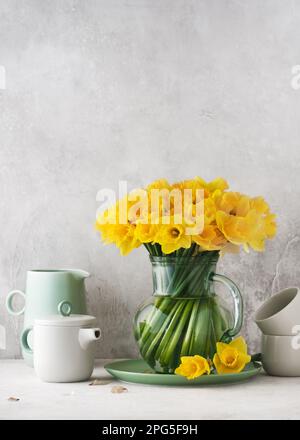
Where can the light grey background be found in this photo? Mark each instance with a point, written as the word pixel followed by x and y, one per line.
pixel 98 91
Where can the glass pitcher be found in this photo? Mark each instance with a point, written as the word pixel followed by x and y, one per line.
pixel 184 316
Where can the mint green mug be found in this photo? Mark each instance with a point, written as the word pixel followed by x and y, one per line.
pixel 45 291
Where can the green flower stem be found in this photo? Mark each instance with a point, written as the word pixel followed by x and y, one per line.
pixel 172 317
pixel 147 246
pixel 192 279
pixel 158 315
pixel 165 337
pixel 198 341
pixel 180 266
pixel 163 308
pixel 176 320
pixel 181 270
pixel 175 333
pixel 193 276
pixel 185 349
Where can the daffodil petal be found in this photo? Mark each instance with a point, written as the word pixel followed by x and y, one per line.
pixel 246 358
pixel 221 346
pixel 239 344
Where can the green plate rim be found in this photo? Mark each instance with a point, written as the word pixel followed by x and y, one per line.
pixel 230 377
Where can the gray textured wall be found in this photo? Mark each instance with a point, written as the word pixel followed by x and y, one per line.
pixel 98 91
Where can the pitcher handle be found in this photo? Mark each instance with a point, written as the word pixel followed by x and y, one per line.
pixel 24 340
pixel 9 300
pixel 238 306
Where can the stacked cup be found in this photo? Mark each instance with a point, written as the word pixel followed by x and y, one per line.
pixel 279 320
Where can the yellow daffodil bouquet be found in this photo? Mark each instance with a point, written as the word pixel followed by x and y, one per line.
pixel 185 226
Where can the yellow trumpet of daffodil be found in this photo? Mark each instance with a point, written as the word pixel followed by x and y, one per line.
pixel 172 236
pixel 193 366
pixel 232 357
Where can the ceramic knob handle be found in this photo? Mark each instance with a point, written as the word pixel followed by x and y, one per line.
pixel 64 308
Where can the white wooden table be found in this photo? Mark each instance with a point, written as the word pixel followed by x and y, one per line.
pixel 262 397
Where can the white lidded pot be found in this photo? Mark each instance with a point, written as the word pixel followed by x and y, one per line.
pixel 63 347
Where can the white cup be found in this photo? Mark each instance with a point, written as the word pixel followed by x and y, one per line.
pixel 280 314
pixel 281 355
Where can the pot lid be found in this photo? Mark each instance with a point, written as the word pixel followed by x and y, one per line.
pixel 66 321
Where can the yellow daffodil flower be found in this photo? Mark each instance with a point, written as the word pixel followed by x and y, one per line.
pixel 172 237
pixel 193 366
pixel 123 236
pixel 210 239
pixel 146 233
pixel 128 241
pixel 232 357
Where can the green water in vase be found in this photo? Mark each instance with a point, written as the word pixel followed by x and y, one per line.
pixel 184 316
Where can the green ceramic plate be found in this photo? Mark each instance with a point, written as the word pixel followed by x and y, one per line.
pixel 137 371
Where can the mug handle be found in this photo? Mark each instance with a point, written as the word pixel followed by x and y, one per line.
pixel 24 341
pixel 238 306
pixel 9 300
pixel 64 308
